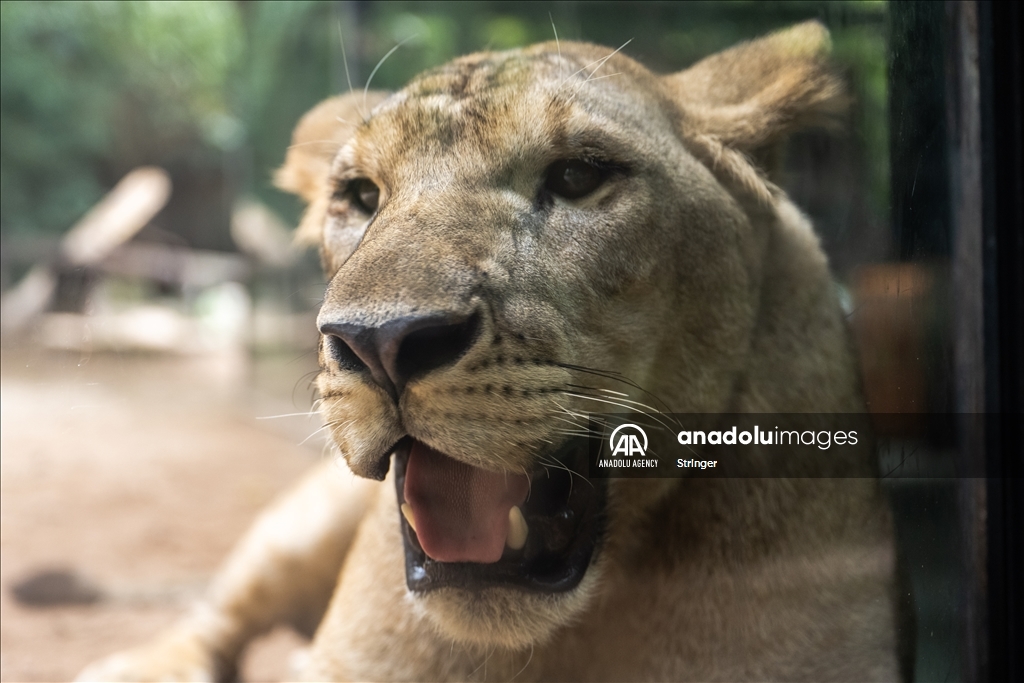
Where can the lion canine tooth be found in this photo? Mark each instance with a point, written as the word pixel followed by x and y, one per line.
pixel 407 513
pixel 517 529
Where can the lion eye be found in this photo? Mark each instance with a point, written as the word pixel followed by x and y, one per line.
pixel 573 178
pixel 365 194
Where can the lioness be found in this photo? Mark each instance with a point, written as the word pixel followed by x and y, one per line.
pixel 513 240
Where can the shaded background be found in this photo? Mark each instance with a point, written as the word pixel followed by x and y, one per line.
pixel 100 392
pixel 211 91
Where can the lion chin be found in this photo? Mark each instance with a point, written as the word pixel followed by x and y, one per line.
pixel 503 617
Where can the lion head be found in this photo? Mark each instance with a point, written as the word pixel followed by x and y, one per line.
pixel 517 239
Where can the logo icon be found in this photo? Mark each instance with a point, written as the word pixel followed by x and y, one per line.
pixel 628 442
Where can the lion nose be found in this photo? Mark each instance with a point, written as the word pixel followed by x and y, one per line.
pixel 401 349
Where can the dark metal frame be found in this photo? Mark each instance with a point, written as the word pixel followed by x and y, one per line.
pixel 1002 191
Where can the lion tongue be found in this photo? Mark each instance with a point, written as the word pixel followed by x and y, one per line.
pixel 461 512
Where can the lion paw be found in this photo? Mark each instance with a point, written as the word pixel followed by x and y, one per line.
pixel 175 656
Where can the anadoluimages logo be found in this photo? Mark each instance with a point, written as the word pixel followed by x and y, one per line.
pixel 625 440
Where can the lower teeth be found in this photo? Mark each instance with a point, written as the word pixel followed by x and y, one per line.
pixel 517 529
pixel 407 513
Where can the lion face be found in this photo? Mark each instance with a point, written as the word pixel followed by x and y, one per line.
pixel 516 240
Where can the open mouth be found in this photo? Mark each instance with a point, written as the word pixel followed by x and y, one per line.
pixel 470 528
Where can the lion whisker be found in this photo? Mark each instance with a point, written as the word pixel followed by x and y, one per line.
pixel 615 403
pixel 315 432
pixel 599 62
pixel 597 78
pixel 558 45
pixel 600 421
pixel 483 664
pixel 546 462
pixel 572 414
pixel 574 429
pixel 327 425
pixel 528 659
pixel 344 59
pixel 572 422
pixel 366 89
pixel 275 417
pixel 617 376
pixel 649 409
pixel 529 482
pixel 607 391
pixel 607 374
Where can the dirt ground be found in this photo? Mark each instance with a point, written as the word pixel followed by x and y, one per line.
pixel 138 474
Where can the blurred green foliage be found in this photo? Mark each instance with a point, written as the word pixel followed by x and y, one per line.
pixel 90 89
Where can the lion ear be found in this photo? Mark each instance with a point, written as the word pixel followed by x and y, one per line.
pixel 320 133
pixel 748 98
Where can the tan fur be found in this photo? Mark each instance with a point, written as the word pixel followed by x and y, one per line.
pixel 318 137
pixel 690 274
